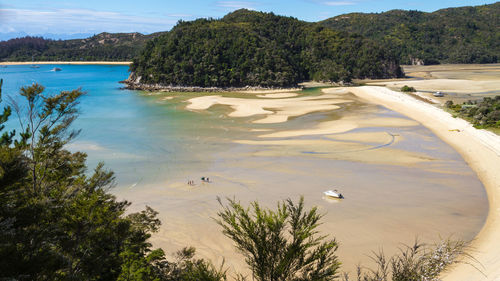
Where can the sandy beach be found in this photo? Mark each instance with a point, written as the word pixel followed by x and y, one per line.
pixel 68 62
pixel 479 148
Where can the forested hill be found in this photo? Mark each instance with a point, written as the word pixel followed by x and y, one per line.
pixel 247 48
pixel 453 35
pixel 101 47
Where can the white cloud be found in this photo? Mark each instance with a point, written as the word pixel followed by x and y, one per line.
pixel 236 4
pixel 79 21
pixel 339 3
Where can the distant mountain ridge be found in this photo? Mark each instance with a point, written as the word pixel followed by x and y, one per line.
pixel 4 36
pixel 101 47
pixel 452 35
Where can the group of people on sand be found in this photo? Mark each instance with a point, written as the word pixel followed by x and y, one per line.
pixel 203 179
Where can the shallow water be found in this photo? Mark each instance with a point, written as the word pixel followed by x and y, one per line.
pixel 155 146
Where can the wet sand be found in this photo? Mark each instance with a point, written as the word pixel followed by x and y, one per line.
pixel 479 72
pixel 480 149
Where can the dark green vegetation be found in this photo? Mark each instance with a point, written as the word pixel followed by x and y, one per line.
pixel 482 114
pixel 101 47
pixel 453 35
pixel 58 222
pixel 247 48
pixel 405 88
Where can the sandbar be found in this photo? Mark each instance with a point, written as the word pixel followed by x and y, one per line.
pixel 479 148
pixel 373 153
pixel 343 125
pixel 277 110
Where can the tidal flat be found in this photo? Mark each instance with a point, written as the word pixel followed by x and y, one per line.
pixel 400 180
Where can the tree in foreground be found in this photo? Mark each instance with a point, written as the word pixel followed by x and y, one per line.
pixel 280 245
pixel 58 222
pixel 419 262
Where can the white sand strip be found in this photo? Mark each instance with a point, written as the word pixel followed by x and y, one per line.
pixel 68 62
pixel 480 149
pixel 446 85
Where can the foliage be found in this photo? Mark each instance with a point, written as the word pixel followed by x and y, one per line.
pixel 453 35
pixel 101 47
pixel 282 244
pixel 187 268
pixel 247 48
pixel 405 88
pixel 56 221
pixel 415 263
pixel 482 114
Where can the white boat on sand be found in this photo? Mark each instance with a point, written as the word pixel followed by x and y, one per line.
pixel 333 194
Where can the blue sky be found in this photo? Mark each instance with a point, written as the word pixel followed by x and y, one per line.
pixel 146 16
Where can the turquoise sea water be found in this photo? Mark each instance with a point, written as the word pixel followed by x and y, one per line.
pixel 155 145
pixel 133 134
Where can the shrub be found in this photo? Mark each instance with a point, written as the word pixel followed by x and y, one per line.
pixel 281 245
pixel 406 89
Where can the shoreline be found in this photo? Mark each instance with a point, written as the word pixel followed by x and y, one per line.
pixel 195 89
pixel 67 62
pixel 480 149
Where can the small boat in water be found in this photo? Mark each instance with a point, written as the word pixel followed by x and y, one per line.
pixel 56 69
pixel 333 194
pixel 33 65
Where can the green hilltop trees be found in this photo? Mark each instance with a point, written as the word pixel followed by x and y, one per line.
pixel 452 35
pixel 247 48
pixel 100 47
pixel 269 45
